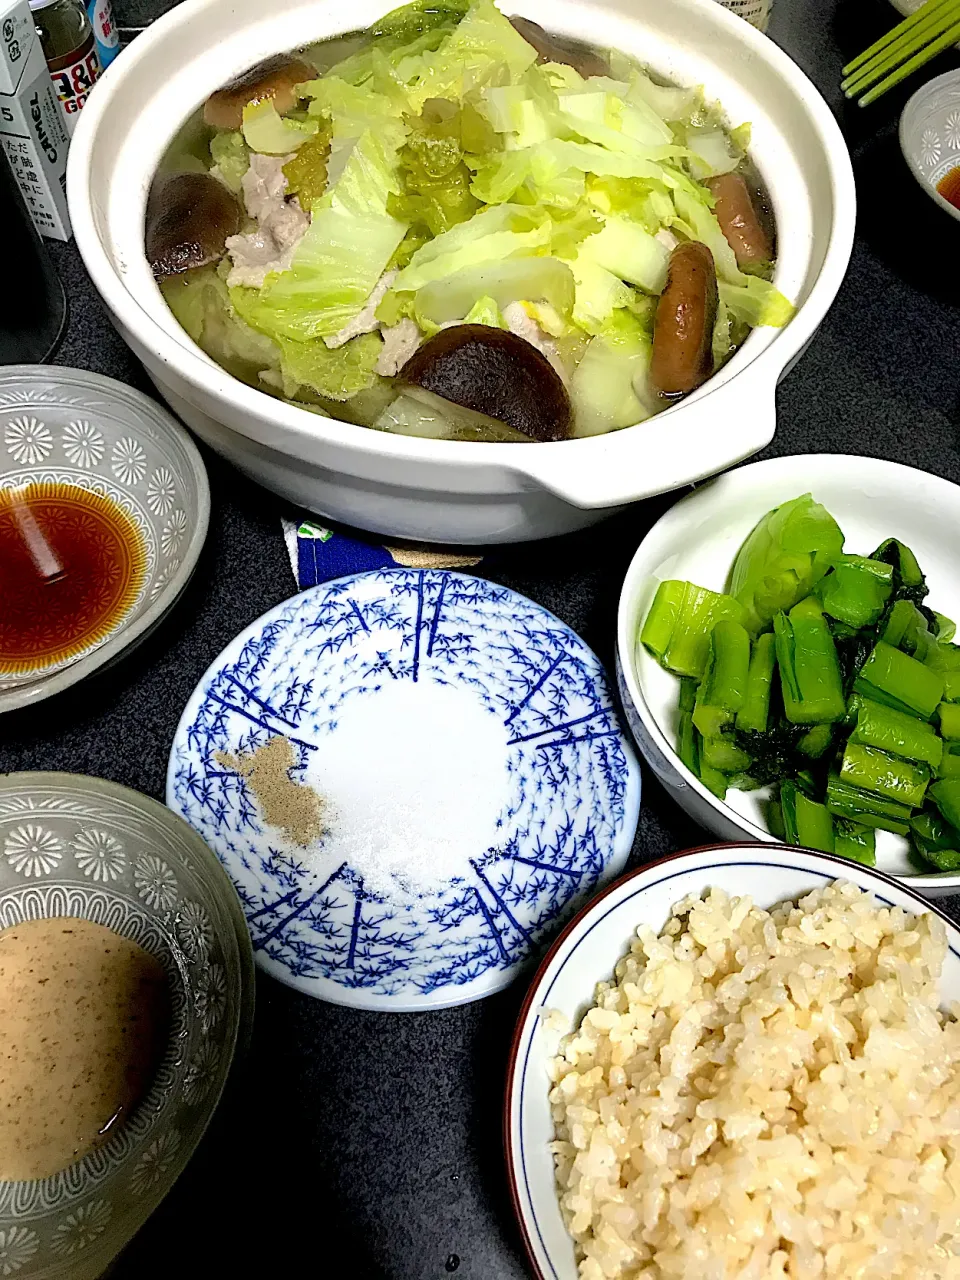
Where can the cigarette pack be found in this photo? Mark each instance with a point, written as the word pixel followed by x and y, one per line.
pixel 32 127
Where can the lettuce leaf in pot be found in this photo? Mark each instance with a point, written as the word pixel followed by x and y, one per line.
pixel 482 46
pixel 231 158
pixel 628 252
pixel 532 279
pixel 409 416
pixel 549 159
pixel 201 303
pixel 524 113
pixel 342 256
pixel 334 271
pixel 410 20
pixel 642 200
pixel 530 176
pixel 362 176
pixel 417 412
pixel 696 220
pixel 669 102
pixel 352 111
pixel 723 335
pixel 598 294
pixel 712 153
pixel 621 126
pixel 501 232
pixel 402 35
pixel 485 311
pixel 337 373
pixel 266 131
pixel 609 386
pixel 756 302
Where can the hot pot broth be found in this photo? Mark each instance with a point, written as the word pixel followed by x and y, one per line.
pixel 456 225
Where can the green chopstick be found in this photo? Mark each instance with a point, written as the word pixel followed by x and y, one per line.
pixel 949 37
pixel 904 45
pixel 917 19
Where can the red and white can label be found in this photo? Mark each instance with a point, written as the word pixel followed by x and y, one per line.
pixel 73 76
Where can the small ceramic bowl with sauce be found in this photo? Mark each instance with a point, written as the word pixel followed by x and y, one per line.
pixel 930 140
pixel 104 507
pixel 126 986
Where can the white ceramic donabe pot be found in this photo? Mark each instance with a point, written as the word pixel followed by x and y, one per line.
pixel 434 489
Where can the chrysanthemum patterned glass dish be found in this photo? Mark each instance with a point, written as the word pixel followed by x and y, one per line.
pixel 452 782
pixel 102 461
pixel 75 846
pixel 930 136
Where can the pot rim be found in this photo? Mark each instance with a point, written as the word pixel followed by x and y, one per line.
pixel 561 467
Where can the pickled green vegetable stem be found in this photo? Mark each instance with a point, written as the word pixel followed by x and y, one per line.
pixel 677 628
pixel 852 840
pixel 805 821
pixel 902 735
pixel 900 682
pixel 874 770
pixel 755 710
pixel 946 796
pixel 724 684
pixel 856 590
pixel 816 741
pixel 908 577
pixel 784 557
pixel 936 839
pixel 949 714
pixel 869 810
pixel 809 670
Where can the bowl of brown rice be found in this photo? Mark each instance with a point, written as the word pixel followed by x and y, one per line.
pixel 742 1061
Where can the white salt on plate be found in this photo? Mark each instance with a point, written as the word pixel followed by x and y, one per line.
pixel 414 779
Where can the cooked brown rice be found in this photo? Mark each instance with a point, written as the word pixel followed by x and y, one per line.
pixel 766 1094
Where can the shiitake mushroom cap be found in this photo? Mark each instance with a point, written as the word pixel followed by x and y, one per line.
pixel 558 49
pixel 189 217
pixel 496 373
pixel 274 78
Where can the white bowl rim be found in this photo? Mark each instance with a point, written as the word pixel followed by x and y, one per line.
pixel 912 103
pixel 201 373
pixel 626 643
pixel 127 634
pixel 531 1002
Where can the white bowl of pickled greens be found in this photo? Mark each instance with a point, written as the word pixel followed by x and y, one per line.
pixel 804 685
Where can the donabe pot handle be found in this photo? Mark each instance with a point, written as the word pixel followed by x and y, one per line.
pixel 694 440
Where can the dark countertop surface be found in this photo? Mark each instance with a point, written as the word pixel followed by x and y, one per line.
pixel 378 1132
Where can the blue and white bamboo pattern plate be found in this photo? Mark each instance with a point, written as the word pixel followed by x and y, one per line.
pixel 305 671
